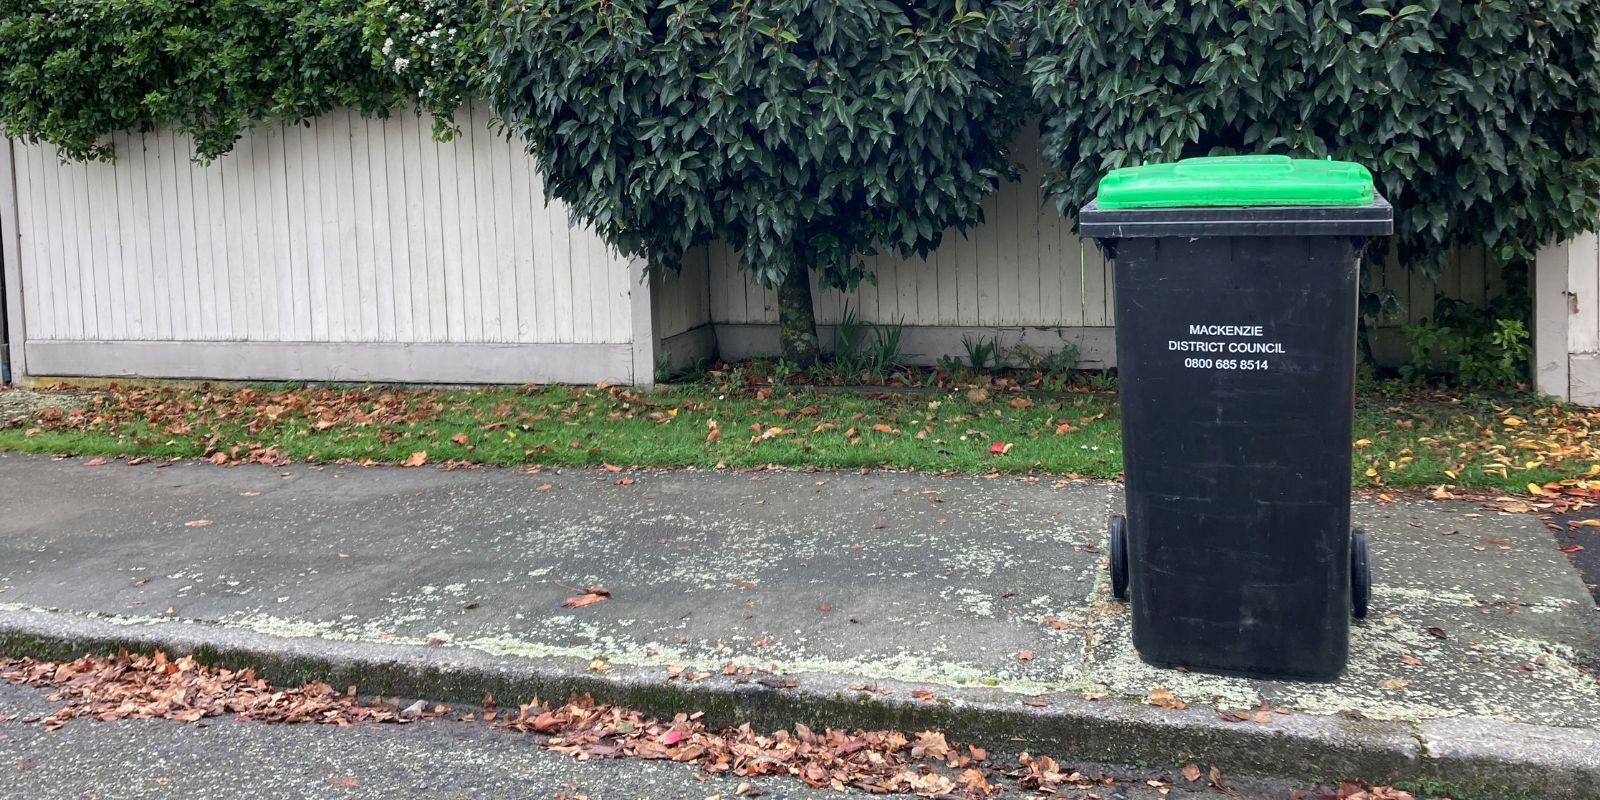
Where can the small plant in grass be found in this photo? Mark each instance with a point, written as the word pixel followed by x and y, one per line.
pixel 1467 346
pixel 1052 368
pixel 1101 381
pixel 982 353
pixel 782 371
pixel 698 372
pixel 862 350
pixel 735 379
pixel 885 352
pixel 848 338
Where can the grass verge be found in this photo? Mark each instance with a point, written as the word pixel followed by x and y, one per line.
pixel 1402 440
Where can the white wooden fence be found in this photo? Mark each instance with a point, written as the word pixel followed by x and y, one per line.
pixel 350 249
pixel 359 250
pixel 1024 278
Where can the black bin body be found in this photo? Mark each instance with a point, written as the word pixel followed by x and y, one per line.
pixel 1236 342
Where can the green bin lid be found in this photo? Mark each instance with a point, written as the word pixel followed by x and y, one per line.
pixel 1237 181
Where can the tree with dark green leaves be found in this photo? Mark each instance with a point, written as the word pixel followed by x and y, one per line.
pixel 804 133
pixel 1480 120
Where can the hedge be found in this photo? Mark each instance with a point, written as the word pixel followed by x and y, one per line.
pixel 74 72
pixel 1479 119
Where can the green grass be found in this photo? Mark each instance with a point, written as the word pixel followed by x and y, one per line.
pixel 591 426
pixel 1405 441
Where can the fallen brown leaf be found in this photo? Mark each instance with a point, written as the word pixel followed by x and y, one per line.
pixel 590 596
pixel 1217 783
pixel 1161 697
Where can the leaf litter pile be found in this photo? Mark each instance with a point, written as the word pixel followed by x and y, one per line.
pixel 138 687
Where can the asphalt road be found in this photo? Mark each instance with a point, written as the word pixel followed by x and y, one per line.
pixel 1586 556
pixel 226 758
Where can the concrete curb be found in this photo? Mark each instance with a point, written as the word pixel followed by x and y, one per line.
pixel 1465 758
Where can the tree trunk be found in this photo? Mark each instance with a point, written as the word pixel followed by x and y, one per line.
pixel 797 320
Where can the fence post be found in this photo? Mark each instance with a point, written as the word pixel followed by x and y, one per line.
pixel 644 324
pixel 13 325
pixel 1551 305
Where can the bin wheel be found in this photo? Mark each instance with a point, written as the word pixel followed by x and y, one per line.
pixel 1360 574
pixel 1119 557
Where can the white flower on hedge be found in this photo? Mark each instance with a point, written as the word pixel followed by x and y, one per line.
pixel 400 64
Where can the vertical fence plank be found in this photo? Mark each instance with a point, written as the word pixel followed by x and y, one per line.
pixel 297 250
pixel 381 256
pixel 150 165
pixel 261 314
pixel 440 279
pixel 1006 231
pixel 986 264
pixel 44 319
pixel 1094 285
pixel 1583 285
pixel 506 267
pixel 1030 276
pixel 18 305
pixel 98 206
pixel 561 272
pixel 196 312
pixel 315 219
pixel 1552 315
pixel 410 246
pixel 904 296
pixel 484 221
pixel 126 276
pixel 1070 252
pixel 81 237
pixel 273 228
pixel 544 259
pixel 200 231
pixel 364 267
pixel 62 257
pixel 523 204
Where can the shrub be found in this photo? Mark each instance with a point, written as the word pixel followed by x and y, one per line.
pixel 1479 120
pixel 1468 346
pixel 73 72
pixel 804 133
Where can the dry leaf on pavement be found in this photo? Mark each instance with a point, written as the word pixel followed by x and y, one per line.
pixel 590 596
pixel 1161 697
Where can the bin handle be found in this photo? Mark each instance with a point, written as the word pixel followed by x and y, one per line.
pixel 1205 164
